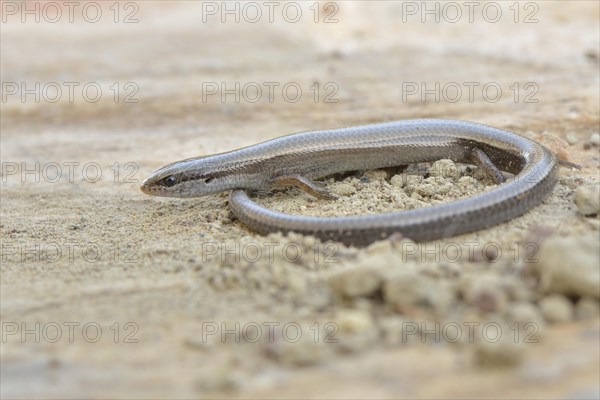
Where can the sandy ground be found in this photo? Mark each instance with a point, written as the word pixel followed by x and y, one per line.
pixel 110 293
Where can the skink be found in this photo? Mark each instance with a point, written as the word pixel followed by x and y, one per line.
pixel 298 159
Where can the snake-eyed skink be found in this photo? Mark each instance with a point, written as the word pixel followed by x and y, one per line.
pixel 297 159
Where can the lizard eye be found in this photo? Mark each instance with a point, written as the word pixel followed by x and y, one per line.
pixel 170 181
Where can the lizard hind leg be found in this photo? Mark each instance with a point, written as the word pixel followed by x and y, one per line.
pixel 482 160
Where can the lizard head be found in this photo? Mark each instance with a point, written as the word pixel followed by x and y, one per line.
pixel 188 178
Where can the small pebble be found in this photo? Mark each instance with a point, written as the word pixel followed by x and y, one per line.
pixel 571 138
pixel 357 331
pixel 525 315
pixel 354 321
pixel 569 266
pixel 356 281
pixel 445 169
pixel 594 139
pixel 556 308
pixel 587 199
pixel 398 180
pixel 343 189
pixel 381 246
pixel 405 289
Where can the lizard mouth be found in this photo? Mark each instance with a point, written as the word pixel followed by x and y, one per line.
pixel 148 188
